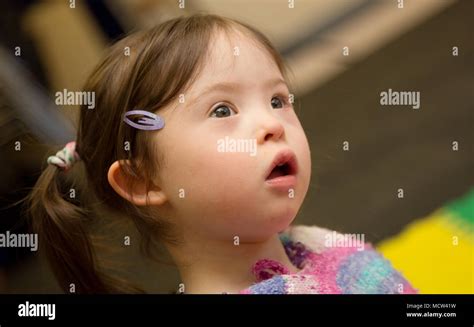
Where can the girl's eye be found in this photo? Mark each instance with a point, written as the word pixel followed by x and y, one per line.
pixel 222 111
pixel 278 102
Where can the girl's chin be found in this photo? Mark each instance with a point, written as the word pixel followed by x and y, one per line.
pixel 277 225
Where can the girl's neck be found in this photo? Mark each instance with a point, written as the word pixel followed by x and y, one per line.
pixel 218 267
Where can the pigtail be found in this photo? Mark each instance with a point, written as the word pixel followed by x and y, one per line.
pixel 64 237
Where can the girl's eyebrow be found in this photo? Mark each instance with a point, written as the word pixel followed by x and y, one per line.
pixel 231 86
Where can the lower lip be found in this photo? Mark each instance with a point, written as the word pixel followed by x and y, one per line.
pixel 282 183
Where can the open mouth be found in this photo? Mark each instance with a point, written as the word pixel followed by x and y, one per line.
pixel 284 164
pixel 278 171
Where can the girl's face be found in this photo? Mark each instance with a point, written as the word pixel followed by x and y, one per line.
pixel 221 141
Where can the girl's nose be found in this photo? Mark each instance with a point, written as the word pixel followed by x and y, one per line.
pixel 270 129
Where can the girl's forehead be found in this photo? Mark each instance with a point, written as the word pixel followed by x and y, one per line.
pixel 235 50
pixel 235 44
pixel 234 57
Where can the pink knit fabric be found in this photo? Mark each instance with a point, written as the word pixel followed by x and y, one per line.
pixel 326 270
pixel 266 268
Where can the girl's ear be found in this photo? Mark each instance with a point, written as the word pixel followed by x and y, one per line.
pixel 133 189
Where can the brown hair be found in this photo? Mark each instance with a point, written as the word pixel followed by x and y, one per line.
pixel 163 62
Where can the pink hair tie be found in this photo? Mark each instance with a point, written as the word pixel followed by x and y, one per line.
pixel 65 158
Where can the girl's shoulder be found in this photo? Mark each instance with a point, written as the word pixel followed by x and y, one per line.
pixel 332 263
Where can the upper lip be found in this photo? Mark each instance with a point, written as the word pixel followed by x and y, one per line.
pixel 284 157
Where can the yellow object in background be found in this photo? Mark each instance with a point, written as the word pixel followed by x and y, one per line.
pixel 436 253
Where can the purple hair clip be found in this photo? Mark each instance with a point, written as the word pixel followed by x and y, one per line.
pixel 149 121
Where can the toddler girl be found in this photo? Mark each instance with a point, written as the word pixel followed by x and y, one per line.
pixel 166 98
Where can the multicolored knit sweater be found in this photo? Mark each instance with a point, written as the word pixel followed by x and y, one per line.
pixel 327 267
